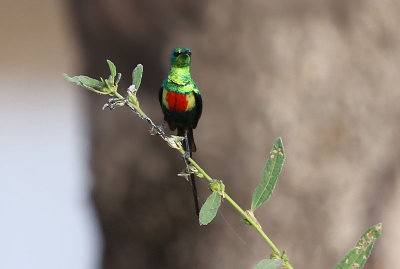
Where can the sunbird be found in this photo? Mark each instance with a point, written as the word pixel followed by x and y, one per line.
pixel 181 103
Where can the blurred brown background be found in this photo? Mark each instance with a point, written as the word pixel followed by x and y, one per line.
pixel 323 75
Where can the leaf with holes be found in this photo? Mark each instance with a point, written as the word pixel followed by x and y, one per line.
pixel 271 172
pixel 358 256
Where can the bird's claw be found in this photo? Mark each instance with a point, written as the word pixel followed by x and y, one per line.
pixel 186 156
pixel 112 103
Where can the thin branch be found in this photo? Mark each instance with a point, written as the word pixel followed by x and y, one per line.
pixel 158 130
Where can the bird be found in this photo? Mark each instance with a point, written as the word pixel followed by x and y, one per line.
pixel 181 103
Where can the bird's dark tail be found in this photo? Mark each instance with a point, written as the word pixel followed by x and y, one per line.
pixel 192 148
pixel 194 191
pixel 192 145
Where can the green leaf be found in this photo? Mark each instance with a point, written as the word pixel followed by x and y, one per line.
pixel 271 172
pixel 269 264
pixel 119 75
pixel 113 69
pixel 173 140
pixel 358 256
pixel 210 208
pixel 137 76
pixel 85 81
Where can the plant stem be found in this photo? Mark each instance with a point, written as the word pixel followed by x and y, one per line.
pixel 235 205
pixel 206 176
pixel 253 223
pixel 118 95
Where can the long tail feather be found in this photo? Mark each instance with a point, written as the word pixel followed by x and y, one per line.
pixel 195 197
pixel 192 145
pixel 192 148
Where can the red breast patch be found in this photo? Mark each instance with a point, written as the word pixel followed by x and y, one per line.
pixel 176 101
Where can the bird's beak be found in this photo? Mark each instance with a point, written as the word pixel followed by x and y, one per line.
pixel 186 52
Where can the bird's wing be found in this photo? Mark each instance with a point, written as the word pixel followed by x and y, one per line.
pixel 199 106
pixel 160 92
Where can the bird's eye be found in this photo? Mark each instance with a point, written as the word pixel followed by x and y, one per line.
pixel 176 53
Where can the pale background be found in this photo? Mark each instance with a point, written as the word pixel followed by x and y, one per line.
pixel 46 218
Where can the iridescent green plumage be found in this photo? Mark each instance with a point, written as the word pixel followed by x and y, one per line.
pixel 181 102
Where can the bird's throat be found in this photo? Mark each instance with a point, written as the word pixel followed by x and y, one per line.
pixel 180 75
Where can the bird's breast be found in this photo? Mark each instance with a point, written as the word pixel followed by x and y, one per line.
pixel 179 102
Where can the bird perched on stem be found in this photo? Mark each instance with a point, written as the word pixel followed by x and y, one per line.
pixel 181 103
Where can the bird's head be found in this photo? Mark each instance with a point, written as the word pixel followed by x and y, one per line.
pixel 180 57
